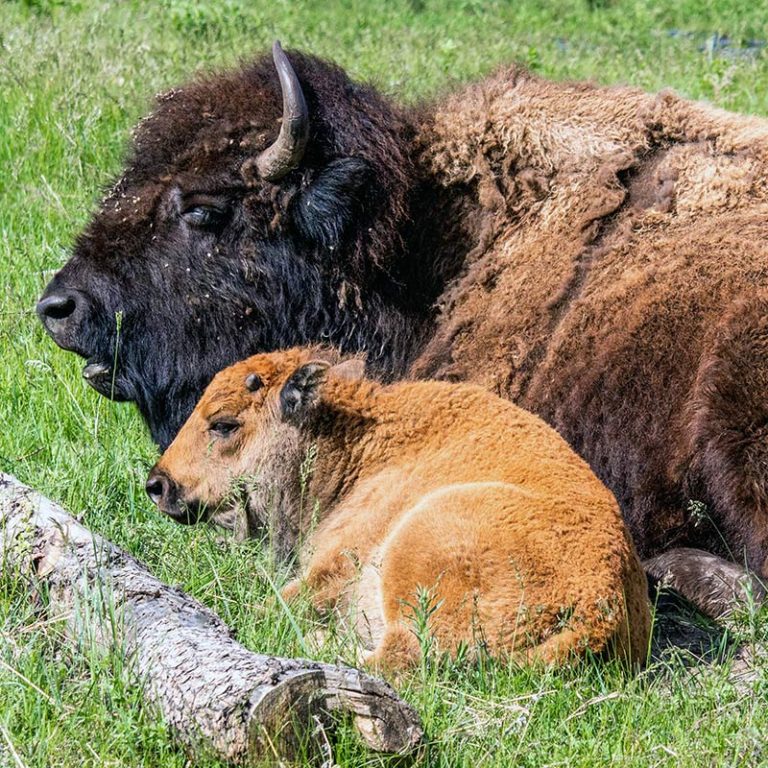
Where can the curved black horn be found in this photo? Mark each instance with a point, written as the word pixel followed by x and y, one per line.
pixel 286 153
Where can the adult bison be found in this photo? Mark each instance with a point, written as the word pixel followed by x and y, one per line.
pixel 599 255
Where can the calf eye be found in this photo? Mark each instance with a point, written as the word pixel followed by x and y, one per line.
pixel 224 427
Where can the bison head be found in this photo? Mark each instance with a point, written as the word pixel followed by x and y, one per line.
pixel 259 209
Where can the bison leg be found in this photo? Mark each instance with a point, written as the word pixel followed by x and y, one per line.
pixel 714 585
pixel 327 578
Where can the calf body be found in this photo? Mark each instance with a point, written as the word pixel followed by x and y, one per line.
pixel 422 489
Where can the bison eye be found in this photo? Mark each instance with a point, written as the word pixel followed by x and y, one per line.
pixel 224 427
pixel 205 216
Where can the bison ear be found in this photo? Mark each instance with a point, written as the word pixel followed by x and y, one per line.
pixel 334 201
pixel 300 392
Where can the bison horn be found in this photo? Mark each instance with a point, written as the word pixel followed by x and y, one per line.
pixel 286 153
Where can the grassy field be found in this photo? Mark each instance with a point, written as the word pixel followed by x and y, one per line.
pixel 74 77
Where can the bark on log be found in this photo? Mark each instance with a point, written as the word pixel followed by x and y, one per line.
pixel 216 696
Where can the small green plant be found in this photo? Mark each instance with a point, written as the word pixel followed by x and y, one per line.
pixel 422 612
pixel 533 59
pixel 116 354
pixel 698 512
pixel 306 469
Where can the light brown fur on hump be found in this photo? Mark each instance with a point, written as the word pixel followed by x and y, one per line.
pixel 452 492
pixel 559 161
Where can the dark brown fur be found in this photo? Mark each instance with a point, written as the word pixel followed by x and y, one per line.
pixel 627 308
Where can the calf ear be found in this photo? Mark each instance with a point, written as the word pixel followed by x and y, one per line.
pixel 325 211
pixel 352 369
pixel 300 392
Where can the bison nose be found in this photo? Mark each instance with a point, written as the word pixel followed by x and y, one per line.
pixel 160 489
pixel 56 307
pixel 61 312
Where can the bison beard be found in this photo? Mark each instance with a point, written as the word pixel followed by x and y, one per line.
pixel 597 255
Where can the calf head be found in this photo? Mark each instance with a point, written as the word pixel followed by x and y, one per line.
pixel 239 455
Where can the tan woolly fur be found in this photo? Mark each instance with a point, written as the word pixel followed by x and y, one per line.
pixel 422 489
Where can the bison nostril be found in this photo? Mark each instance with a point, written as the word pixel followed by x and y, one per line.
pixel 56 307
pixel 157 488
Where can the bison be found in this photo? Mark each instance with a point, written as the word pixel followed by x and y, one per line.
pixel 597 255
pixel 428 495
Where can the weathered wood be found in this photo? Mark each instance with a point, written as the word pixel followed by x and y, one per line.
pixel 215 695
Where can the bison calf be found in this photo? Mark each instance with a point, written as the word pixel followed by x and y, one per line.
pixel 422 488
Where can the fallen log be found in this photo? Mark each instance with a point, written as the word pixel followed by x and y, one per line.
pixel 217 697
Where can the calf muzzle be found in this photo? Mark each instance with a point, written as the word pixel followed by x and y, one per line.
pixel 161 490
pixel 164 493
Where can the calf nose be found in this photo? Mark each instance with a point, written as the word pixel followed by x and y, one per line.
pixel 56 306
pixel 160 489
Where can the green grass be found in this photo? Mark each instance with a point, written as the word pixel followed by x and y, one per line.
pixel 74 77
